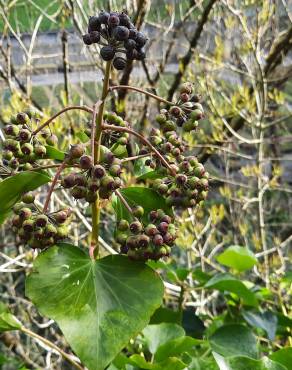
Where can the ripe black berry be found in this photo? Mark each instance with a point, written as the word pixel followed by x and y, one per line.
pixel 133 33
pixel 94 24
pixel 121 33
pixel 130 44
pixel 107 52
pixel 94 37
pixel 124 19
pixel 87 39
pixel 103 17
pixel 113 20
pixel 140 39
pixel 119 63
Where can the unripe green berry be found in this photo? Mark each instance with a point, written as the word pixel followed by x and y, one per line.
pixel 52 140
pixel 115 170
pixel 62 232
pixel 28 198
pixel 78 192
pixel 50 231
pixel 138 211
pixel 91 197
pixel 27 149
pixel 22 118
pixel 123 225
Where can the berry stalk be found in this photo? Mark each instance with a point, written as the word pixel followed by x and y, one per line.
pixel 94 248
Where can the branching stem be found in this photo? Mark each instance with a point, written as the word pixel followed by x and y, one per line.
pixel 144 141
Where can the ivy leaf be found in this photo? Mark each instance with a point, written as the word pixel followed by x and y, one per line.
pixel 99 305
pixel 54 153
pixel 246 363
pixel 175 347
pixel 13 187
pixel 151 175
pixel 82 136
pixel 234 340
pixel 263 320
pixel 157 335
pixel 226 282
pixel 283 356
pixel 172 363
pixel 238 258
pixel 145 197
pixel 7 320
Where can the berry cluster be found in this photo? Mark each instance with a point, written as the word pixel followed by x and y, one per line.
pixel 111 138
pixel 140 242
pixel 186 113
pixel 36 229
pixel 188 187
pixel 117 35
pixel 102 178
pixel 22 148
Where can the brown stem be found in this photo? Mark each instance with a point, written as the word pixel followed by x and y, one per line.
pixel 93 127
pixel 80 107
pixel 134 157
pixel 111 88
pixel 54 182
pixel 144 141
pixel 123 200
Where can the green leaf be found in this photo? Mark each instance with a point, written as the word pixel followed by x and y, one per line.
pixel 283 356
pixel 54 153
pixel 145 197
pixel 99 305
pixel 171 363
pixel 163 314
pixel 81 135
pixel 234 340
pixel 12 188
pixel 263 320
pixel 246 363
pixel 238 258
pixel 119 151
pixel 175 347
pixel 156 335
pixel 7 320
pixel 226 282
pixel 151 175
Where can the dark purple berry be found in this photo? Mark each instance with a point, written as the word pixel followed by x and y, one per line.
pixel 87 39
pixel 98 171
pixel 119 63
pixel 93 24
pixel 163 227
pixel 151 230
pixel 131 54
pixel 124 19
pixel 121 33
pixel 24 135
pixel 141 55
pixel 113 20
pixel 85 162
pixel 153 215
pixel 80 180
pixel 133 33
pixel 69 181
pixel 140 39
pixel 130 44
pixel 94 37
pixel 103 17
pixel 158 240
pixel 107 52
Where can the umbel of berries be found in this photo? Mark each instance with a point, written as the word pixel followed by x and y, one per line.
pixel 22 148
pixel 143 242
pixel 102 178
pixel 186 112
pixel 119 38
pixel 36 229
